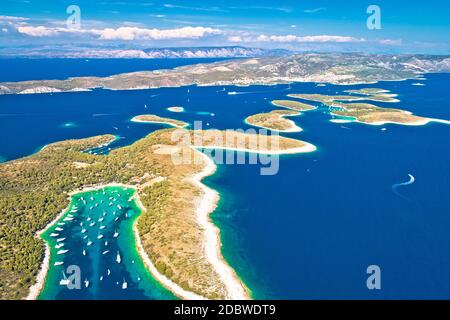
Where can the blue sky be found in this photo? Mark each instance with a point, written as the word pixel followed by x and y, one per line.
pixel 406 26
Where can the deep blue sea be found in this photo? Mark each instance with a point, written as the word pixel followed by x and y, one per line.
pixel 312 230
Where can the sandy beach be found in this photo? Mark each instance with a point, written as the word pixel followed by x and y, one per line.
pixel 236 290
pixel 36 289
pixel 308 147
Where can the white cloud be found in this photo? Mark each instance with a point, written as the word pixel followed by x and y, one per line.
pixel 37 31
pixel 235 39
pixel 317 38
pixel 172 6
pixel 12 18
pixel 130 33
pixel 390 42
pixel 124 33
pixel 315 10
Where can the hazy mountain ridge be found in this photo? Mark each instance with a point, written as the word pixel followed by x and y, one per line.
pixel 325 68
pixel 150 53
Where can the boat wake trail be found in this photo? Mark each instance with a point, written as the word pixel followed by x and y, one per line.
pixel 412 179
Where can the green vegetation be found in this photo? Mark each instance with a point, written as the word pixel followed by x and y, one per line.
pixel 34 189
pixel 294 105
pixel 363 112
pixel 274 120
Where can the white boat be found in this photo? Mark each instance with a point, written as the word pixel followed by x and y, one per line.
pixel 119 207
pixel 84 252
pixel 118 258
pixel 68 219
pixel 61 223
pixel 85 237
pixel 81 224
pixel 58 263
pixel 99 236
pixel 88 219
pixel 89 243
pixel 117 218
pixel 92 224
pixel 105 252
pixel 60 239
pixel 92 198
pixel 106 243
pixel 101 278
pixel 102 227
pixel 101 219
pixel 116 234
pixel 62 251
pixel 59 246
pixel 86 283
pixel 109 272
pixel 83 231
pixel 53 235
pixel 64 282
pixel 59 229
pixel 232 93
pixel 124 285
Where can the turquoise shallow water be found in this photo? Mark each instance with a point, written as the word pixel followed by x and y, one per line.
pixel 96 235
pixel 311 230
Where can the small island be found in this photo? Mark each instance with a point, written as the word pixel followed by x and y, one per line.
pixel 275 120
pixel 293 105
pixel 175 109
pixel 151 118
pixel 344 108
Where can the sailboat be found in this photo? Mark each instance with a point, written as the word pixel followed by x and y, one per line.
pixel 86 283
pixel 124 284
pixel 65 281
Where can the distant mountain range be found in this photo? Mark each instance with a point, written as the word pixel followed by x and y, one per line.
pixel 150 53
pixel 337 68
